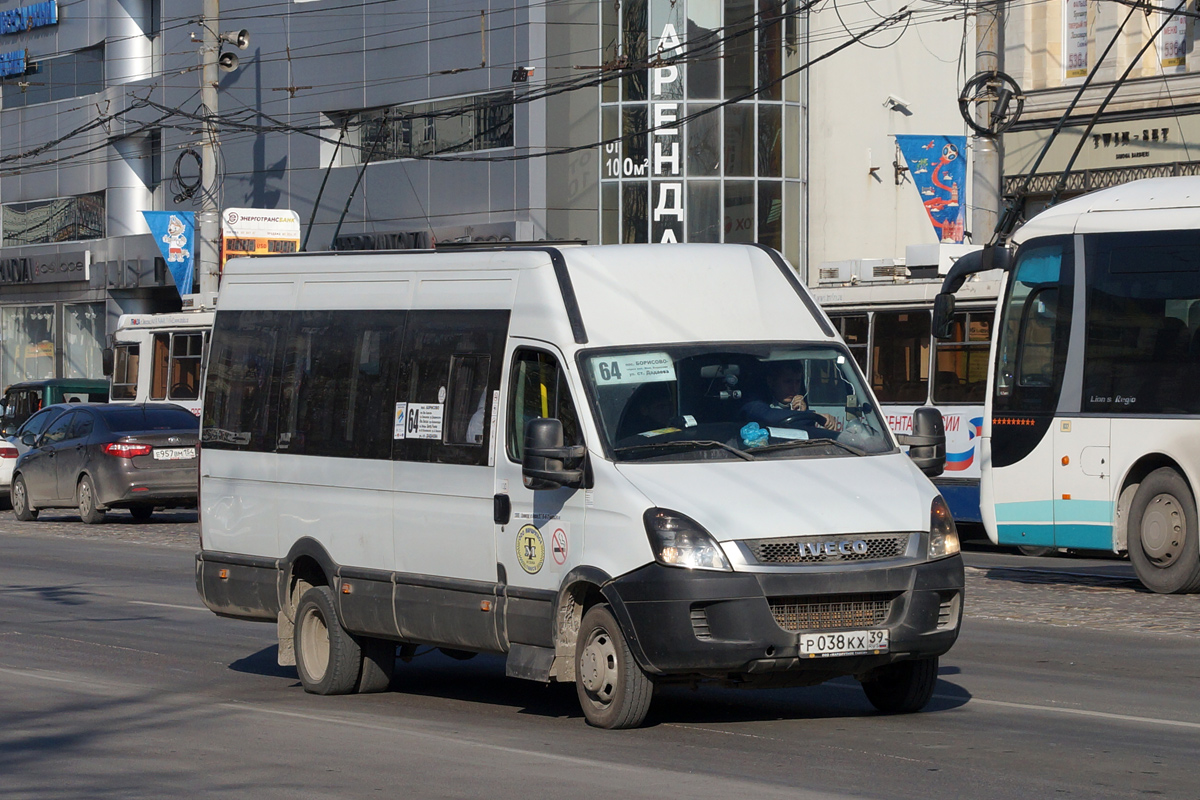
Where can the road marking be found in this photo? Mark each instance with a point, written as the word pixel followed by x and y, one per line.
pixel 1080 712
pixel 167 605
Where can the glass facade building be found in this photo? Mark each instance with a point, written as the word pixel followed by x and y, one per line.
pixel 704 146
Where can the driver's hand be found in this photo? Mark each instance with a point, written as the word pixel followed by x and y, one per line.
pixel 798 403
pixel 827 421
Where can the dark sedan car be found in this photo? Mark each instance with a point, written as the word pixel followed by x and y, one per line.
pixel 95 457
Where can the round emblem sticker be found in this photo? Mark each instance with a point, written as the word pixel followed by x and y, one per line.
pixel 531 551
pixel 441 394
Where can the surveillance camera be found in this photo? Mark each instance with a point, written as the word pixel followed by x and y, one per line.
pixel 896 102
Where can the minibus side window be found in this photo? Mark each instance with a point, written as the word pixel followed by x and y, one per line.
pixel 453 361
pixel 539 390
pixel 243 380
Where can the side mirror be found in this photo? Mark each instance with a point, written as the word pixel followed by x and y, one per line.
pixel 106 362
pixel 927 442
pixel 943 315
pixel 29 439
pixel 542 460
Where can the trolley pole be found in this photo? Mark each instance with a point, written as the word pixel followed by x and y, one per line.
pixel 985 173
pixel 210 223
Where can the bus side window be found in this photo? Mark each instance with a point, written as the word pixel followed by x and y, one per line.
pixel 539 391
pixel 159 363
pixel 185 366
pixel 125 372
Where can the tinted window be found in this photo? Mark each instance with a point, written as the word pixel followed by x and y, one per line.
pixel 125 420
pixel 900 361
pixel 338 385
pixel 1035 327
pixel 38 421
pixel 58 430
pixel 439 411
pixel 243 379
pixel 81 425
pixel 962 361
pixel 1143 323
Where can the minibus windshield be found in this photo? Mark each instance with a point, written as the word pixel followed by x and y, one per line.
pixel 747 401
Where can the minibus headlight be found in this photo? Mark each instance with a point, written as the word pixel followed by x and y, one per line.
pixel 680 542
pixel 943 536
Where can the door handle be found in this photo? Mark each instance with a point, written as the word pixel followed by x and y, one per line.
pixel 501 509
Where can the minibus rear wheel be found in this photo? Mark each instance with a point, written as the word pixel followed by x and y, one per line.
pixel 1163 546
pixel 903 687
pixel 613 691
pixel 328 659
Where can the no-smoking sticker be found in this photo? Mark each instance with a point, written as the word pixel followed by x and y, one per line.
pixel 558 546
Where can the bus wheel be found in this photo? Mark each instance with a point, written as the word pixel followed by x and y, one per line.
pixel 1162 534
pixel 903 687
pixel 378 664
pixel 612 689
pixel 328 659
pixel 1035 550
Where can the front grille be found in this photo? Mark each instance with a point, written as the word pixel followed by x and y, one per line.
pixel 826 613
pixel 800 550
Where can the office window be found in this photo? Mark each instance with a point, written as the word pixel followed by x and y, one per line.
pixel 65 219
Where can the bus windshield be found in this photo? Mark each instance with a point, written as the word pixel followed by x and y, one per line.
pixel 732 401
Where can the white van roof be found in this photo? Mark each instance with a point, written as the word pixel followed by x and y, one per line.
pixel 1150 204
pixel 611 295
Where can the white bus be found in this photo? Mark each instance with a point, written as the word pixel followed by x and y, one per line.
pixel 594 460
pixel 887 326
pixel 159 357
pixel 1091 438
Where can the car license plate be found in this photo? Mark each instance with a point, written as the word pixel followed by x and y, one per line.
pixel 174 453
pixel 843 643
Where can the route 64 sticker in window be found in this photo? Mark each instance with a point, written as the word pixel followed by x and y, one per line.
pixel 531 550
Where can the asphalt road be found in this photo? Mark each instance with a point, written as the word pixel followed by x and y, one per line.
pixel 1067 681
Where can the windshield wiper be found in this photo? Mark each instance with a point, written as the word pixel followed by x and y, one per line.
pixel 809 443
pixel 705 444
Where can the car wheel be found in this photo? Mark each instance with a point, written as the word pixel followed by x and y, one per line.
pixel 20 500
pixel 1163 543
pixel 903 687
pixel 613 691
pixel 328 659
pixel 141 513
pixel 85 493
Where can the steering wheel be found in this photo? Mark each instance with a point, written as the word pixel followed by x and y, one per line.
pixel 803 418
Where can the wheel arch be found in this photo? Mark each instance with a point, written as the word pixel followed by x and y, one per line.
pixel 581 589
pixel 1130 482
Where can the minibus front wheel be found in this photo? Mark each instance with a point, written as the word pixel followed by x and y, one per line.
pixel 903 687
pixel 612 689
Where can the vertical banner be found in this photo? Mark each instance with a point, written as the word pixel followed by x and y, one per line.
pixel 1172 44
pixel 1075 38
pixel 175 234
pixel 666 145
pixel 938 167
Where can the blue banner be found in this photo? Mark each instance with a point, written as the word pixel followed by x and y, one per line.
pixel 938 166
pixel 175 234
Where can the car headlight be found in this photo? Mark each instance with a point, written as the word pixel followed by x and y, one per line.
pixel 678 541
pixel 943 536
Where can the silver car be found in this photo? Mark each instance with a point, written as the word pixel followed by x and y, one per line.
pixel 97 456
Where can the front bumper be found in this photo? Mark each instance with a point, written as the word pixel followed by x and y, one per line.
pixel 721 624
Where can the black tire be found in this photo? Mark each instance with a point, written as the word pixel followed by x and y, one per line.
pixel 379 663
pixel 1036 550
pixel 328 659
pixel 903 687
pixel 613 691
pixel 141 513
pixel 19 497
pixel 85 495
pixel 1163 545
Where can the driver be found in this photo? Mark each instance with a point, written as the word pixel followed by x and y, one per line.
pixel 785 385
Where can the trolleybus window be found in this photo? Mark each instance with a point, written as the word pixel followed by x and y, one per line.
pixel 962 361
pixel 900 362
pixel 854 329
pixel 125 372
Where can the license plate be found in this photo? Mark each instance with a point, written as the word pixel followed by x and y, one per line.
pixel 174 453
pixel 843 643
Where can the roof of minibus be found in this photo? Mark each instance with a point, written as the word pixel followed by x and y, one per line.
pixel 1149 204
pixel 625 294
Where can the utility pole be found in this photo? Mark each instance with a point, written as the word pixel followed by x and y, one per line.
pixel 985 173
pixel 207 250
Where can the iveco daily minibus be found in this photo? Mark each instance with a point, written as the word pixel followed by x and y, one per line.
pixel 619 466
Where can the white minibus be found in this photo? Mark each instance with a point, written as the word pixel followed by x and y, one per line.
pixel 596 461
